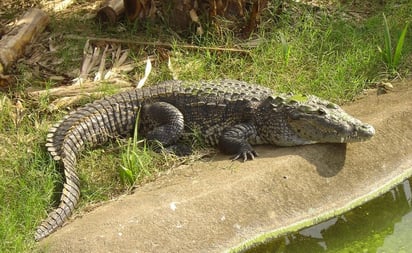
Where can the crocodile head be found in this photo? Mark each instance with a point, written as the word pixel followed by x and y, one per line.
pixel 309 119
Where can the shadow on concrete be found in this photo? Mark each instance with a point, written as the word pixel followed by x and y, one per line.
pixel 328 159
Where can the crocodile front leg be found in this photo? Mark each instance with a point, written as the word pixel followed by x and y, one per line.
pixel 234 141
pixel 168 120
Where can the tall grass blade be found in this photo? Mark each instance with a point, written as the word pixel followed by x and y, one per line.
pixel 285 48
pixel 131 161
pixel 399 47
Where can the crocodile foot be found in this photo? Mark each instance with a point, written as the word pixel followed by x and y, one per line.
pixel 245 154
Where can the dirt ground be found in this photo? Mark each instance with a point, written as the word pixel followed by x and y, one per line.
pixel 217 205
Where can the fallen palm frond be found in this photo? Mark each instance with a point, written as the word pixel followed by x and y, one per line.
pixel 101 66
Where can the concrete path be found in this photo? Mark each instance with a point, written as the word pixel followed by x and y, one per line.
pixel 215 206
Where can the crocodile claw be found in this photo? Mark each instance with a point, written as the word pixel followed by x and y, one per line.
pixel 244 155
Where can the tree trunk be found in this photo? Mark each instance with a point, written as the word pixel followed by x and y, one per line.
pixel 26 29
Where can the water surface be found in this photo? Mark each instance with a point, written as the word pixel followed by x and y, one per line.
pixel 382 225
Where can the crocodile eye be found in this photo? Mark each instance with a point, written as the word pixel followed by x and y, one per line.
pixel 321 111
pixel 307 109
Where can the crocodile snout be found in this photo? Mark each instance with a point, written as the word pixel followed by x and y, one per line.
pixel 365 131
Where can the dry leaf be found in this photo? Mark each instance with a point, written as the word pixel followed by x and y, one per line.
pixel 146 73
pixel 18 113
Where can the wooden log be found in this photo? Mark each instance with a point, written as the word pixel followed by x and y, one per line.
pixel 111 12
pixel 26 29
pixel 57 5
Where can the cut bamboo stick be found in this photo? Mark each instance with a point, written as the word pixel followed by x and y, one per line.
pixel 111 12
pixel 132 43
pixel 73 90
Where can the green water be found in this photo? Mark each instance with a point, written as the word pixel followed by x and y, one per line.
pixel 382 225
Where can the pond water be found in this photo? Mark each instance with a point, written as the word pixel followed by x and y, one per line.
pixel 382 225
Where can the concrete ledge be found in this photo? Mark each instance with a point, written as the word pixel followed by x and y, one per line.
pixel 221 205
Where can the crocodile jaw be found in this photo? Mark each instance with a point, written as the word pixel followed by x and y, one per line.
pixel 331 130
pixel 361 132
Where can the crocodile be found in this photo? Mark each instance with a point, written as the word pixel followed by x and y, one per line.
pixel 229 114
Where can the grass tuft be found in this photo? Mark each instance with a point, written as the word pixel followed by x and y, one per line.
pixel 136 159
pixel 391 56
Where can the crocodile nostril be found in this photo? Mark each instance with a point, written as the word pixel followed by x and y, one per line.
pixel 366 130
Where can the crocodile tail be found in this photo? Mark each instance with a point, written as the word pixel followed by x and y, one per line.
pixel 90 125
pixel 68 201
pixel 59 149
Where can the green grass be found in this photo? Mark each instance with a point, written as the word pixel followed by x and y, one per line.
pixel 27 177
pixel 322 53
